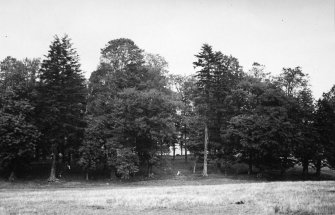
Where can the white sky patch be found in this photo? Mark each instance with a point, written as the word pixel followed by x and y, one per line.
pixel 275 33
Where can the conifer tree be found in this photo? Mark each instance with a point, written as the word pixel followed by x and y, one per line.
pixel 62 95
pixel 206 63
pixel 217 76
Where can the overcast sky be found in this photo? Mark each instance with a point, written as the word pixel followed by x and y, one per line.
pixel 285 33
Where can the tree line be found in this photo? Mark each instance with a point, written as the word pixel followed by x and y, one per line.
pixel 131 111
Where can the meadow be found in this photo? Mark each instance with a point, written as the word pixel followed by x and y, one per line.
pixel 170 196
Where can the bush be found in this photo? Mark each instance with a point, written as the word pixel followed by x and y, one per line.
pixel 127 163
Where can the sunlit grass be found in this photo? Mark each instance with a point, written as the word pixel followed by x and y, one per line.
pixel 253 198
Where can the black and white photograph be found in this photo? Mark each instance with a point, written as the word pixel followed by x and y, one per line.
pixel 167 107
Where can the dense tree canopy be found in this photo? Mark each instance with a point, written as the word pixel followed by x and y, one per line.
pixel 18 134
pixel 124 119
pixel 129 93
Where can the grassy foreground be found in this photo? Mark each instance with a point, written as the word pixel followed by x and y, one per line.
pixel 311 197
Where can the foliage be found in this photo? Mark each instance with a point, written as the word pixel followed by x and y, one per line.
pixel 62 92
pixel 131 111
pixel 324 123
pixel 120 53
pixel 217 76
pixel 262 128
pixel 127 163
pixel 183 98
pixel 18 136
pixel 292 80
pixel 18 133
pixel 129 93
pixel 92 148
pixel 62 98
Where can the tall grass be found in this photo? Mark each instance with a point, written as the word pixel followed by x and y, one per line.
pixel 249 198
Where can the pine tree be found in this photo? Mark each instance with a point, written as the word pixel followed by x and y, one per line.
pixel 62 95
pixel 206 63
pixel 217 76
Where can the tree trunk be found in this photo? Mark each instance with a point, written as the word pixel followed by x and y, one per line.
pixel 181 148
pixel 250 168
pixel 149 169
pixel 69 155
pixel 204 173
pixel 52 176
pixel 12 176
pixel 185 143
pixel 283 167
pixel 174 151
pixel 195 164
pixel 112 175
pixel 37 154
pixel 250 164
pixel 305 167
pixel 185 147
pixel 60 165
pixel 283 171
pixel 318 168
pixel 224 164
pixel 162 148
pixel 87 176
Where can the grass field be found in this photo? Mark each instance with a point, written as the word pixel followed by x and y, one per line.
pixel 172 196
